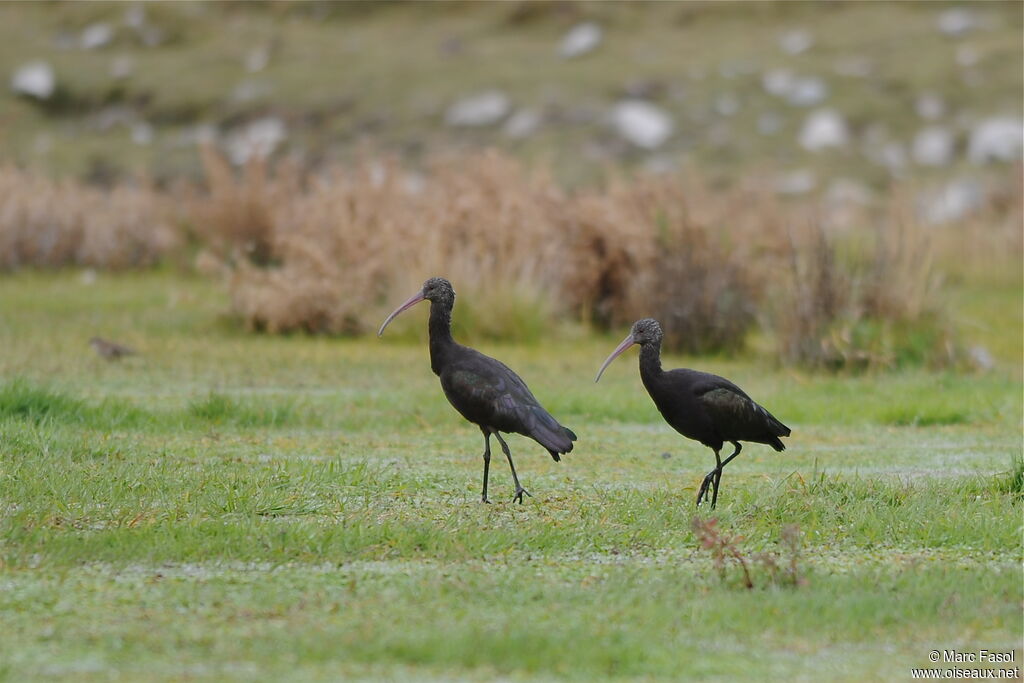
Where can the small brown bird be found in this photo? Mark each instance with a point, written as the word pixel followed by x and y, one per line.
pixel 110 350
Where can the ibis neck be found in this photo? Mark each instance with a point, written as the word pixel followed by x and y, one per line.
pixel 650 359
pixel 440 328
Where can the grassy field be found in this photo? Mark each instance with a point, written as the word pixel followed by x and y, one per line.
pixel 234 507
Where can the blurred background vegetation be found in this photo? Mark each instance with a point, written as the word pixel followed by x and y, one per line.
pixel 837 184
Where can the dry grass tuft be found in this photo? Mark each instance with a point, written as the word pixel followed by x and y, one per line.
pixel 49 224
pixel 334 251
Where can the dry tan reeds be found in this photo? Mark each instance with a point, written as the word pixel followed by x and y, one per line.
pixel 55 223
pixel 332 252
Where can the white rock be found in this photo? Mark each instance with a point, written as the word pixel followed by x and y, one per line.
pixel 822 129
pixel 796 182
pixel 580 40
pixel 957 21
pixel 642 123
pixel 778 82
pixel 482 109
pixel 522 124
pixel 142 133
pixel 981 358
pixel 258 139
pixel 96 35
pixel 35 79
pixel 135 16
pixel 894 156
pixel 933 146
pixel 953 202
pixel 996 139
pixel 930 106
pixel 769 123
pixel 121 67
pixel 848 192
pixel 257 58
pixel 727 104
pixel 796 41
pixel 967 56
pixel 807 91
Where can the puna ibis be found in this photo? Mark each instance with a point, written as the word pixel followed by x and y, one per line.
pixel 484 391
pixel 700 406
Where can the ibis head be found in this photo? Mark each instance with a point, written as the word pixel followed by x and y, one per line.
pixel 645 331
pixel 436 290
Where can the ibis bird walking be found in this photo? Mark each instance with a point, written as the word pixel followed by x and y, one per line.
pixel 484 391
pixel 700 406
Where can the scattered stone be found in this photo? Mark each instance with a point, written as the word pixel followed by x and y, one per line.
pixel 35 79
pixel 258 139
pixel 96 35
pixel 135 16
pixel 930 106
pixel 951 203
pixel 580 40
pixel 800 91
pixel 933 146
pixel 121 67
pixel 522 124
pixel 642 123
pixel 894 156
pixel 778 82
pixel 769 123
pixel 848 192
pixel 250 90
pixel 956 21
pixel 967 56
pixel 807 91
pixel 482 109
pixel 142 133
pixel 666 455
pixel 796 182
pixel 996 139
pixel 796 41
pixel 257 59
pixel 981 358
pixel 727 104
pixel 822 129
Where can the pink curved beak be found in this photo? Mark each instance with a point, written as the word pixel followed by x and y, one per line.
pixel 413 300
pixel 626 343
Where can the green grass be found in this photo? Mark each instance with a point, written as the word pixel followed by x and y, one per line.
pixel 238 507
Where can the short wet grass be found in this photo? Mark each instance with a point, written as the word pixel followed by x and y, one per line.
pixel 233 507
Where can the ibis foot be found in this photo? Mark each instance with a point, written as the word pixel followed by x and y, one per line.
pixel 519 495
pixel 483 499
pixel 706 484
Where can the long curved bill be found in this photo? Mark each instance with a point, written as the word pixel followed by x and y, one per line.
pixel 626 343
pixel 413 300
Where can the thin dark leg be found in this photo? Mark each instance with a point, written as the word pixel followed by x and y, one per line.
pixel 487 463
pixel 709 479
pixel 714 477
pixel 519 489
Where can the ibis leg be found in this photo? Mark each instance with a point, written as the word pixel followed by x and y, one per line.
pixel 519 489
pixel 714 477
pixel 487 463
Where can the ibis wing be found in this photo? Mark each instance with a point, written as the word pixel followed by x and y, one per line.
pixel 741 416
pixel 491 394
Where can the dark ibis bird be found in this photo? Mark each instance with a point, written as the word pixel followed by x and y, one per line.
pixel 700 406
pixel 484 390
